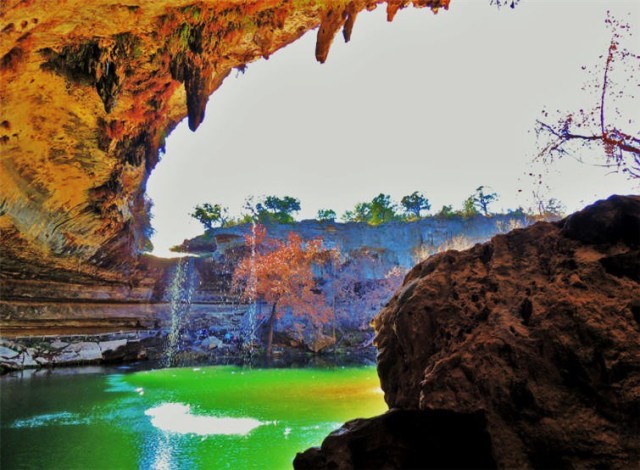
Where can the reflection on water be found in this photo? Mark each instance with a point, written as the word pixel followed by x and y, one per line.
pixel 59 419
pixel 177 418
pixel 162 458
pixel 203 417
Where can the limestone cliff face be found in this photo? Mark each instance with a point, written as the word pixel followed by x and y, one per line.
pixel 91 90
pixel 64 302
pixel 393 244
pixel 536 331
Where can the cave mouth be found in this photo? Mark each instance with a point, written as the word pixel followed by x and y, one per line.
pixel 424 105
pixel 375 118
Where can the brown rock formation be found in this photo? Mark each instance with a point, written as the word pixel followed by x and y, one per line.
pixel 538 330
pixel 405 439
pixel 89 92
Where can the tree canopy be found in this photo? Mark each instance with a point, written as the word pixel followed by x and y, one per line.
pixel 379 210
pixel 281 274
pixel 274 209
pixel 481 199
pixel 326 215
pixel 383 209
pixel 415 203
pixel 210 214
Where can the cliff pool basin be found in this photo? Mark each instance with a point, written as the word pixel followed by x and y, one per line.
pixel 197 417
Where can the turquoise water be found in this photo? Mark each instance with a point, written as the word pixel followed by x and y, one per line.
pixel 185 418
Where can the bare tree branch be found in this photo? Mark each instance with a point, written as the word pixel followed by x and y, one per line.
pixel 621 149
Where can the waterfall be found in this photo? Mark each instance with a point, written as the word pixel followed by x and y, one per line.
pixel 250 327
pixel 180 293
pixel 249 320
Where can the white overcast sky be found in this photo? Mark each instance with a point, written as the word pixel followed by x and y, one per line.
pixel 437 103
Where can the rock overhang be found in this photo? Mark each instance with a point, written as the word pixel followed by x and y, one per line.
pixel 90 92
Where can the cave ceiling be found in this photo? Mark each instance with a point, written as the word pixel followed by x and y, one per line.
pixel 89 93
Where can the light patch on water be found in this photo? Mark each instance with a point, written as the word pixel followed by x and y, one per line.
pixel 163 457
pixel 177 418
pixel 117 384
pixel 63 418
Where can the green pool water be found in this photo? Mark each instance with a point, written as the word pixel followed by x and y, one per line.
pixel 186 418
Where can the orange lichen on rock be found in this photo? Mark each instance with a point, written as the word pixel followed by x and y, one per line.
pixel 90 92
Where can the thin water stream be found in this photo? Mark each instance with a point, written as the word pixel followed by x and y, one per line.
pixel 250 335
pixel 181 292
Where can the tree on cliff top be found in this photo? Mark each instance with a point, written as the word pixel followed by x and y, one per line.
pixel 360 213
pixel 326 215
pixel 273 209
pixel 482 199
pixel 383 209
pixel 469 208
pixel 415 203
pixel 379 210
pixel 550 209
pixel 281 274
pixel 602 125
pixel 209 214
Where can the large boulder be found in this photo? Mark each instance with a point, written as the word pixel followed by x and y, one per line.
pixel 538 330
pixel 406 439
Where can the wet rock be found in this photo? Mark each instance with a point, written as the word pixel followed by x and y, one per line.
pixel 211 343
pixel 27 352
pixel 79 352
pixel 114 350
pixel 113 345
pixel 10 359
pixel 303 335
pixel 57 344
pixel 7 353
pixel 28 358
pixel 319 342
pixel 42 361
pixel 65 357
pixel 125 350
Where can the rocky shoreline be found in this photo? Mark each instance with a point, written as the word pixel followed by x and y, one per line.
pixel 55 351
pixel 214 346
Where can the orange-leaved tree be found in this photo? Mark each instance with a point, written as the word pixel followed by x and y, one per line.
pixel 281 274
